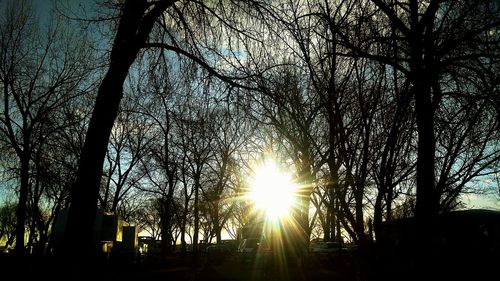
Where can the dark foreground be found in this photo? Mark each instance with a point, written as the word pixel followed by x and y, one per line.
pixel 237 267
pixel 232 267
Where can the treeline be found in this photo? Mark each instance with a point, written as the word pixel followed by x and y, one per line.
pixel 381 109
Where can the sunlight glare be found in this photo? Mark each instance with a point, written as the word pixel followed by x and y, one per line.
pixel 272 190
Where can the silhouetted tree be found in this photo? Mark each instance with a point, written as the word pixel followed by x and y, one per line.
pixel 435 40
pixel 38 74
pixel 367 89
pixel 128 144
pixel 196 138
pixel 136 22
pixel 467 149
pixel 148 218
pixel 229 138
pixel 291 109
pixel 8 223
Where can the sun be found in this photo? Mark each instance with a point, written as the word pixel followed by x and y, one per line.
pixel 272 190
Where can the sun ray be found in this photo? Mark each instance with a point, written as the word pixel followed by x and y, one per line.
pixel 272 190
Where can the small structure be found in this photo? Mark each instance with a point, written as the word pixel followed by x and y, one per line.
pixel 147 244
pixel 113 236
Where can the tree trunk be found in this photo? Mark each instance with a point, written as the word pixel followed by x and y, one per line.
pixel 165 219
pixel 196 214
pixel 183 227
pixel 85 192
pixel 327 226
pixel 217 223
pixel 304 231
pixel 377 213
pixel 183 238
pixel 22 205
pixel 333 187
pixel 426 207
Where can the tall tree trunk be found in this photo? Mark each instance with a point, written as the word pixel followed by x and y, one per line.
pixel 332 206
pixel 218 234
pixel 183 225
pixel 304 231
pixel 22 206
pixel 166 225
pixel 427 204
pixel 426 207
pixel 217 223
pixel 329 227
pixel 85 191
pixel 183 236
pixel 196 216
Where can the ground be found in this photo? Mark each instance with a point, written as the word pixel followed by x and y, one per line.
pixel 231 267
pixel 238 267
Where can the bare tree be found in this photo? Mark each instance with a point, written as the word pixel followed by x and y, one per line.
pixel 467 149
pixel 221 193
pixel 149 219
pixel 128 144
pixel 290 107
pixel 8 223
pixel 38 74
pixel 434 41
pixel 196 138
pixel 136 22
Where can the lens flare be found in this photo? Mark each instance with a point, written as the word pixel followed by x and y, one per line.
pixel 272 190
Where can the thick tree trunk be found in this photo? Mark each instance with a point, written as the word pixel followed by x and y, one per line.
pixel 426 207
pixel 427 204
pixel 85 192
pixel 218 234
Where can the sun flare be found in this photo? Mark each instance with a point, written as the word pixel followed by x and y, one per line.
pixel 272 190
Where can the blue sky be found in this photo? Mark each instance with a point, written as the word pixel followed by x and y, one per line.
pixel 43 9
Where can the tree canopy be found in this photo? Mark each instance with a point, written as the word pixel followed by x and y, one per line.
pixel 378 109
